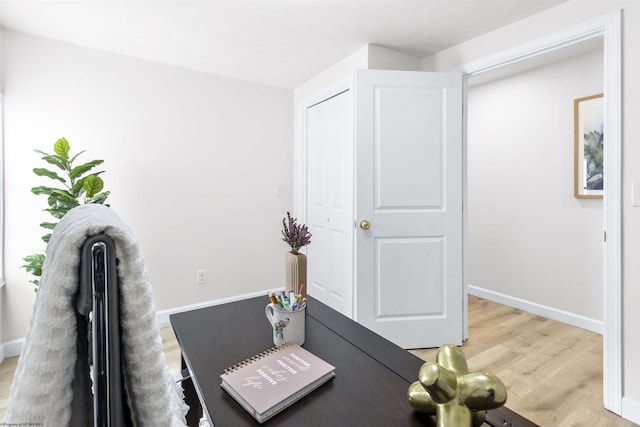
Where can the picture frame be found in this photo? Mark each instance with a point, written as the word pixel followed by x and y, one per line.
pixel 588 164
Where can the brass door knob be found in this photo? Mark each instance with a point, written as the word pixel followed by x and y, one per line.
pixel 364 224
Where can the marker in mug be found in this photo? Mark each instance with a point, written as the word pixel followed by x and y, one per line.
pixel 273 298
pixel 292 303
pixel 280 301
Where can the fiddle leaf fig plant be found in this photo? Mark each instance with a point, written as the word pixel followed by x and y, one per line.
pixel 74 187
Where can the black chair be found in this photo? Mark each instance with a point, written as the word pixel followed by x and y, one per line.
pixel 98 321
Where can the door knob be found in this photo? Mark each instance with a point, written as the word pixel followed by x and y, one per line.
pixel 364 224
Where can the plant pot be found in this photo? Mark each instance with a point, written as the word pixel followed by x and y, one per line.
pixel 295 272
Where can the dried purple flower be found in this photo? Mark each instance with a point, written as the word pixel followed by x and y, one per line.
pixel 296 236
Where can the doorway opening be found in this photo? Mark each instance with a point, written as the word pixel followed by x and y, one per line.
pixel 532 244
pixel 607 29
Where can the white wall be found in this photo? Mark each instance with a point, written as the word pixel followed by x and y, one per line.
pixel 529 237
pixel 383 58
pixel 564 16
pixel 193 162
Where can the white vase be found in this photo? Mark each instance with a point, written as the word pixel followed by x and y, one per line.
pixel 295 272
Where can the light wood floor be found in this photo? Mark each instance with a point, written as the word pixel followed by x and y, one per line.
pixel 553 372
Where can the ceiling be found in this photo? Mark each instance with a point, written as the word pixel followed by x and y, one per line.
pixel 280 43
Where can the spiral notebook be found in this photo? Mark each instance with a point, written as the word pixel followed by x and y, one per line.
pixel 271 381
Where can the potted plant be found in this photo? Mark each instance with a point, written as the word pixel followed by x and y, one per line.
pixel 296 236
pixel 79 188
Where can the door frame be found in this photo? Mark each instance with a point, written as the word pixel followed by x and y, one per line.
pixel 609 28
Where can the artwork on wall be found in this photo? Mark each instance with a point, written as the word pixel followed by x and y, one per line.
pixel 588 147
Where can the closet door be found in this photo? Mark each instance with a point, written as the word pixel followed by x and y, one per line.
pixel 409 206
pixel 329 144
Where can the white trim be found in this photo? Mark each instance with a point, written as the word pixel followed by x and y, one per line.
pixel 162 316
pixel 465 210
pixel 2 281
pixel 587 30
pixel 612 292
pixel 13 348
pixel 631 410
pixel 563 316
pixel 608 27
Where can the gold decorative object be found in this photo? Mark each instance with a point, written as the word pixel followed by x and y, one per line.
pixel 455 396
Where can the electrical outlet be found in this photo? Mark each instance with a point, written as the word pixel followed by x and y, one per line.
pixel 201 277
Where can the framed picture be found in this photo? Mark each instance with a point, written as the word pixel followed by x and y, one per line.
pixel 588 147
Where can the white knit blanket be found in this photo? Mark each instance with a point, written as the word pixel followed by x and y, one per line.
pixel 41 392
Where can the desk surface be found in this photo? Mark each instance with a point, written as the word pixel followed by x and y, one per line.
pixel 372 374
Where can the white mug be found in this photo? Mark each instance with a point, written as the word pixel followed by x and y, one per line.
pixel 287 326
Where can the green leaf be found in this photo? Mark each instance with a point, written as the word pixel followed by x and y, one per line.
pixel 48 173
pixel 78 188
pixel 48 225
pixel 57 212
pixel 46 238
pixel 61 147
pixel 82 169
pixel 65 196
pixel 34 264
pixel 63 193
pixel 41 152
pixel 62 200
pixel 36 258
pixel 42 190
pixel 57 161
pixel 33 270
pixel 99 198
pixel 92 185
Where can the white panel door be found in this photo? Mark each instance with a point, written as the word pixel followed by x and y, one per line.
pixel 329 138
pixel 409 188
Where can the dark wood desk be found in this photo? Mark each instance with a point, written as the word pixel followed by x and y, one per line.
pixel 369 389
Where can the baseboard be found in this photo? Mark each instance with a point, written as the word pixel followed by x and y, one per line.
pixel 162 316
pixel 572 319
pixel 13 348
pixel 630 410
